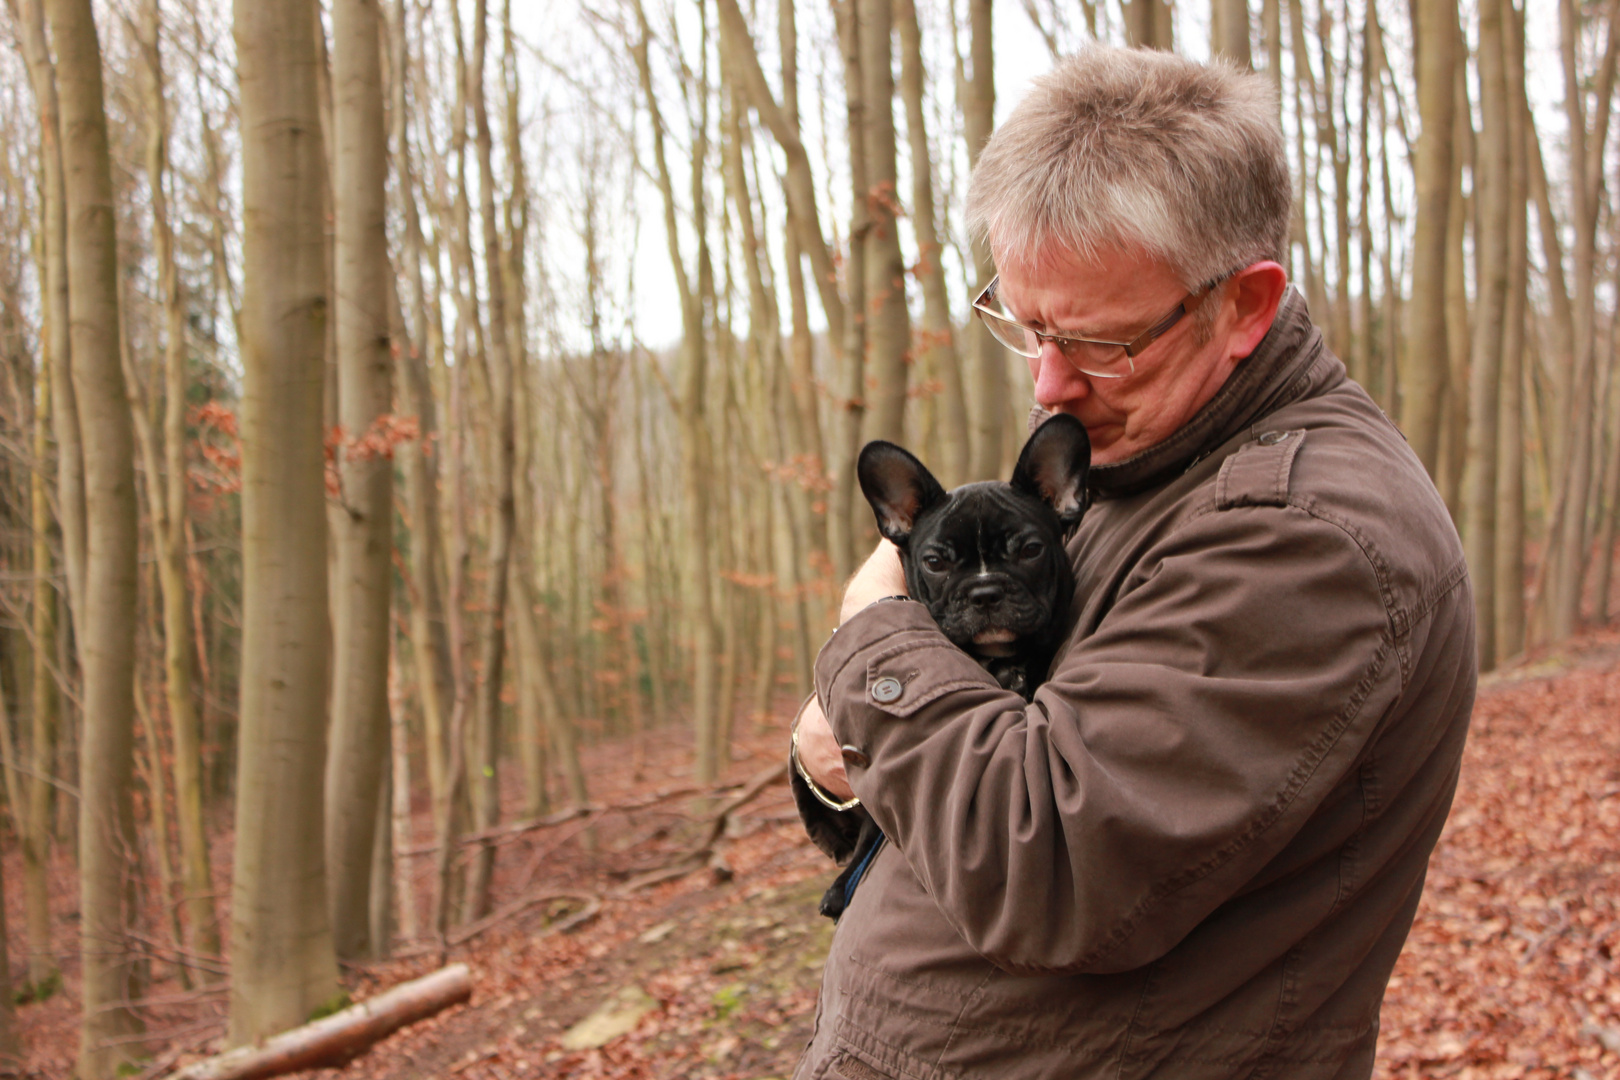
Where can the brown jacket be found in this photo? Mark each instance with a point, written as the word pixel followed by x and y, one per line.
pixel 1197 853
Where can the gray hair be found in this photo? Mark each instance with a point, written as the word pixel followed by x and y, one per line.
pixel 1141 150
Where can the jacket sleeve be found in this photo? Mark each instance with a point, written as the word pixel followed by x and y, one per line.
pixel 1170 756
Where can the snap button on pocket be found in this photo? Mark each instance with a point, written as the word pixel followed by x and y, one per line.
pixel 887 690
pixel 854 758
pixel 1271 438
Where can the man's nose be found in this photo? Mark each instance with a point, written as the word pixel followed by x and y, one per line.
pixel 1056 380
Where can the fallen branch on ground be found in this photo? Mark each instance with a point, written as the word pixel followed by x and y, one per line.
pixel 593 904
pixel 505 833
pixel 705 854
pixel 335 1039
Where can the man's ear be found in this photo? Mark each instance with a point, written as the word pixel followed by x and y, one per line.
pixel 1257 291
pixel 898 486
pixel 1054 465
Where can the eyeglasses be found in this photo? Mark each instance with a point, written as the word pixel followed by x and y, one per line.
pixel 1089 356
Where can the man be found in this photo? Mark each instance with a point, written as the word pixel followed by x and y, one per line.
pixel 1197 852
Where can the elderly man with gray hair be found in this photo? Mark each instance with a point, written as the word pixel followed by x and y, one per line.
pixel 1197 852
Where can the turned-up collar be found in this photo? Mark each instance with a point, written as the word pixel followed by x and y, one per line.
pixel 1282 369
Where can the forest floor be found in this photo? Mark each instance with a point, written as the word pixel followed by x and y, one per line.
pixel 1512 969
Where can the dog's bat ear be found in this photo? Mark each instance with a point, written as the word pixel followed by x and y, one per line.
pixel 898 486
pixel 1054 465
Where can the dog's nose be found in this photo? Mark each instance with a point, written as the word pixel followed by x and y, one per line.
pixel 986 594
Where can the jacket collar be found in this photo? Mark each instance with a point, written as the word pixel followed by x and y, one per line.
pixel 1290 363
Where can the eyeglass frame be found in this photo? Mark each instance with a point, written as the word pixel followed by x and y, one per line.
pixel 1133 348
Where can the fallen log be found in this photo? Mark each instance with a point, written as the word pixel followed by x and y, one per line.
pixel 335 1039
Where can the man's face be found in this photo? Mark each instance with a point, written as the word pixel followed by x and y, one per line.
pixel 1115 297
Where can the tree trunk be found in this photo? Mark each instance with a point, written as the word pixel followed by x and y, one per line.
pixel 1509 571
pixel 282 962
pixel 430 647
pixel 888 322
pixel 29 15
pixel 1148 24
pixel 107 635
pixel 358 758
pixel 695 478
pixel 937 342
pixel 1493 191
pixel 987 371
pixel 1567 546
pixel 1423 373
pixel 168 505
pixel 482 775
pixel 35 826
pixel 11 1047
pixel 1229 31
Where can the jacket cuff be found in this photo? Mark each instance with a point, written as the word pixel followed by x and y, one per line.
pixel 886 663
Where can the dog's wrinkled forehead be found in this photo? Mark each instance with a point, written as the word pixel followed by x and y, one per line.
pixel 987 515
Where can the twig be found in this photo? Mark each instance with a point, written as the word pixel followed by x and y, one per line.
pixel 174 953
pixel 704 854
pixel 593 904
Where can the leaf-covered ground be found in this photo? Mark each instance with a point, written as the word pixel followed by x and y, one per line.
pixel 1510 970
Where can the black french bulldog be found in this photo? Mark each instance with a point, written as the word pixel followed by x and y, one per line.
pixel 987 560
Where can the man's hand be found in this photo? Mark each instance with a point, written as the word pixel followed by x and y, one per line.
pixel 881 575
pixel 819 752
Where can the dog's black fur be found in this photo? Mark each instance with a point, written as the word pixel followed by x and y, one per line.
pixel 987 560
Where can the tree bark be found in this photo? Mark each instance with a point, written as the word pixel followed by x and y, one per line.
pixel 282 962
pixel 1510 530
pixel 35 823
pixel 107 636
pixel 695 479
pixel 1229 31
pixel 937 342
pixel 482 774
pixel 1493 190
pixel 168 507
pixel 334 1039
pixel 29 16
pixel 1423 372
pixel 888 321
pixel 358 758
pixel 987 372
pixel 1568 543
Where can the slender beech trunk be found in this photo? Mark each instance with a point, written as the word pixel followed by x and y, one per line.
pixel 695 454
pixel 852 380
pixel 1568 544
pixel 1459 332
pixel 888 322
pixel 107 636
pixel 430 647
pixel 1148 24
pixel 986 371
pixel 1493 190
pixel 167 492
pixel 11 1046
pixel 282 962
pixel 482 775
pixel 357 762
pixel 938 340
pixel 29 17
pixel 1510 530
pixel 1423 373
pixel 1229 31
pixel 36 822
pixel 1363 363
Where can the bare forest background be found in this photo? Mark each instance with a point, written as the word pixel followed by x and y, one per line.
pixel 349 487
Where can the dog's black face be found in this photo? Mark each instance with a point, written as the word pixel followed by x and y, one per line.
pixel 987 559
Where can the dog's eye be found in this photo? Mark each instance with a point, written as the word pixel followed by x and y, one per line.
pixel 1032 550
pixel 933 562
